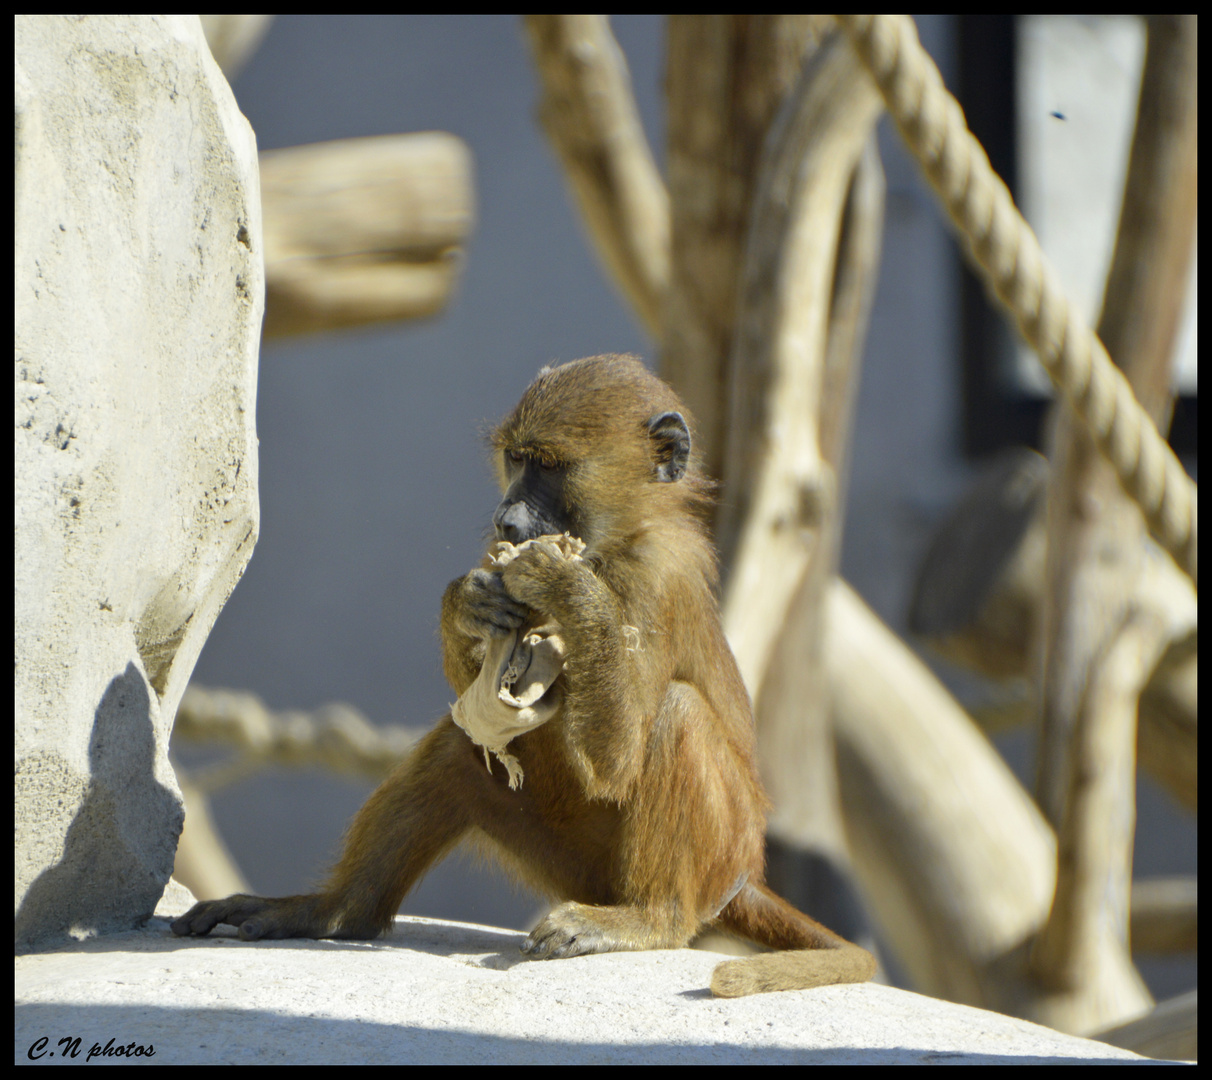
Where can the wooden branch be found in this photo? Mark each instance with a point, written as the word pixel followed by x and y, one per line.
pixel 795 741
pixel 978 592
pixel 1147 283
pixel 1082 953
pixel 956 862
pixel 726 78
pixel 860 248
pixel 589 113
pixel 361 231
pixel 1167 745
pixel 780 490
pixel 1099 646
pixel 1138 326
pixel 978 600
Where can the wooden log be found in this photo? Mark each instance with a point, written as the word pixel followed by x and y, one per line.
pixel 362 231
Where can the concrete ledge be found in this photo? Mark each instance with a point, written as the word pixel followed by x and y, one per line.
pixel 456 993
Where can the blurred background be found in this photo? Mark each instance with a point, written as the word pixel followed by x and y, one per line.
pixel 375 487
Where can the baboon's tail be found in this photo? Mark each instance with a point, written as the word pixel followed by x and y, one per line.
pixel 814 956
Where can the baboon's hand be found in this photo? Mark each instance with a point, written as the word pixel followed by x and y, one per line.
pixel 256 917
pixel 544 578
pixel 479 606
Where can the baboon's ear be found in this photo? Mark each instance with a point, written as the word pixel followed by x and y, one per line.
pixel 671 446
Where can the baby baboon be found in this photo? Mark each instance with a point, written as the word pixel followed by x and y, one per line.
pixel 637 803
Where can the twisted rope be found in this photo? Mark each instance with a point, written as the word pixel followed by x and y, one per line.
pixel 335 736
pixel 1009 255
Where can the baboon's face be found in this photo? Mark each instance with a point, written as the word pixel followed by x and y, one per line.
pixel 534 503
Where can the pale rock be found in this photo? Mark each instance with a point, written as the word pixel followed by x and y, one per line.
pixel 139 292
pixel 436 992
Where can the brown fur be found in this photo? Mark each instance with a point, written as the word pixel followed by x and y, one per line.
pixel 641 808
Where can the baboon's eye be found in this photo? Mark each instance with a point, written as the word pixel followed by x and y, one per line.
pixel 516 456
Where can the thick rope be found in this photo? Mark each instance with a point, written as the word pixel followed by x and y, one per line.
pixel 1001 242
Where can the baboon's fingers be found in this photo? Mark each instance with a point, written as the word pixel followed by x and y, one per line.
pixel 255 917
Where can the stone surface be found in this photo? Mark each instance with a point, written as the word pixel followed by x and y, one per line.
pixel 455 993
pixel 139 292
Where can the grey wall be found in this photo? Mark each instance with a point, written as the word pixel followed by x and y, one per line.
pixel 374 484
